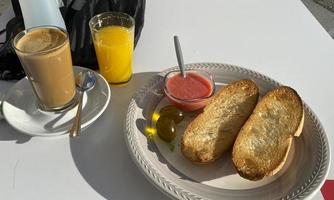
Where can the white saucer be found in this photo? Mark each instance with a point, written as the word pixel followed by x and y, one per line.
pixel 21 111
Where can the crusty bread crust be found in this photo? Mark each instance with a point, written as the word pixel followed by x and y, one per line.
pixel 263 143
pixel 214 131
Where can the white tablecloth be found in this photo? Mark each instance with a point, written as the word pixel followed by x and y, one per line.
pixel 278 38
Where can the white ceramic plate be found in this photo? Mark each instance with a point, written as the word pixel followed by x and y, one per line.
pixel 301 177
pixel 20 109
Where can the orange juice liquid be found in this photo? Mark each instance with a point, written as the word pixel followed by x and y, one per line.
pixel 114 50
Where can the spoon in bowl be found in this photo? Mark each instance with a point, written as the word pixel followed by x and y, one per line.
pixel 179 55
pixel 84 81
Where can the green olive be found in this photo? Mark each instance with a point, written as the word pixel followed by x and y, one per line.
pixel 172 112
pixel 166 128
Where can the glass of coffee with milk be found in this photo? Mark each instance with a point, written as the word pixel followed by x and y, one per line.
pixel 45 55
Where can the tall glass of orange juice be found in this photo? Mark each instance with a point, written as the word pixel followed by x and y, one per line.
pixel 113 35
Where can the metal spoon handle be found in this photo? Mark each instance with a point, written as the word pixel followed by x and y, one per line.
pixel 179 55
pixel 76 127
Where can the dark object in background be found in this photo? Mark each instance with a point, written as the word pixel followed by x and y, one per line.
pixel 328 4
pixel 83 53
pixel 10 66
pixel 76 20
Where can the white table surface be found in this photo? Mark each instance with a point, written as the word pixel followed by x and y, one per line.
pixel 280 39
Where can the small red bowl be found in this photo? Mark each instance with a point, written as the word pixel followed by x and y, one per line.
pixel 190 104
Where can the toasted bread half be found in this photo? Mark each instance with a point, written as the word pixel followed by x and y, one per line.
pixel 263 143
pixel 214 131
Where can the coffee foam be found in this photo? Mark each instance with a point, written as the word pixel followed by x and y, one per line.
pixel 41 40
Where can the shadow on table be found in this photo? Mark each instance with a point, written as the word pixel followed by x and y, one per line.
pixel 101 155
pixel 7 133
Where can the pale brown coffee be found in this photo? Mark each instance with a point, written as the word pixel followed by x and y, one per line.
pixel 46 58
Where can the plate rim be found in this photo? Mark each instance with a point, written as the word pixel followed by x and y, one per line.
pixel 173 190
pixel 60 133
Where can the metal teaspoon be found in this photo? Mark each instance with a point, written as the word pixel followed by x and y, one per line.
pixel 84 81
pixel 179 55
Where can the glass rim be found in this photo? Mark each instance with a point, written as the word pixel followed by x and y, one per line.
pixel 24 32
pixel 91 23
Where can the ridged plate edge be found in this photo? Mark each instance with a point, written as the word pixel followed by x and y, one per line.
pixel 309 187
